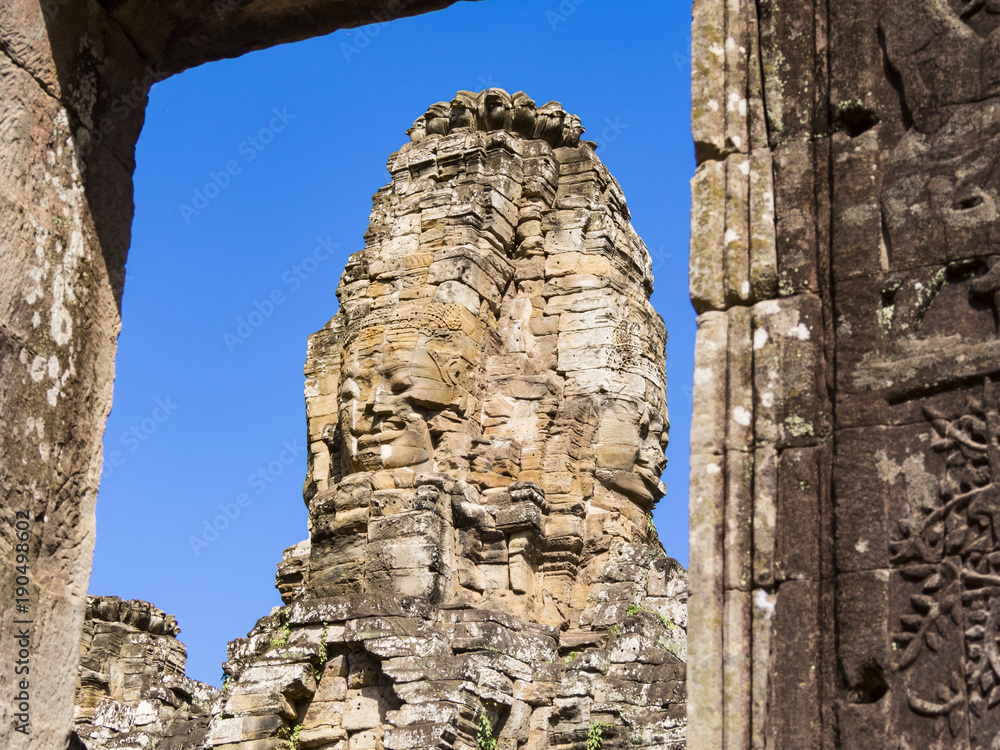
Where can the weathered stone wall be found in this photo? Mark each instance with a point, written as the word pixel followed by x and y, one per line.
pixel 73 83
pixel 132 691
pixel 844 453
pixel 486 418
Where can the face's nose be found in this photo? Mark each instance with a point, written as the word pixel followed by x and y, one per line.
pixel 381 408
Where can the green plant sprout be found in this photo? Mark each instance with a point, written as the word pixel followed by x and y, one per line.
pixel 290 736
pixel 595 735
pixel 484 733
pixel 323 655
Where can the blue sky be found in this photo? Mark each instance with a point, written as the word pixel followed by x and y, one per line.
pixel 245 168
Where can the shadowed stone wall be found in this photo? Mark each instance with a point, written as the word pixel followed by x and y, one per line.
pixel 844 530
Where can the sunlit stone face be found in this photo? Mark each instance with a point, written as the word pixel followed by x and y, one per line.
pixel 381 428
pixel 390 394
pixel 653 436
pixel 631 439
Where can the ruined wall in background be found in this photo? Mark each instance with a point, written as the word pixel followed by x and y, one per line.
pixel 132 691
pixel 845 451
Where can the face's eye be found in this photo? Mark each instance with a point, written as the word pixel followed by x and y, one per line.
pixel 398 378
pixel 350 391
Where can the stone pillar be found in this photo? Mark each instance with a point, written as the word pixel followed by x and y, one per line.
pixel 65 220
pixel 844 450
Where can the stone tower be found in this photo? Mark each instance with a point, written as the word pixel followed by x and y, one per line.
pixel 486 421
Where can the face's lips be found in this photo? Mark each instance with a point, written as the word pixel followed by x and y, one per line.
pixel 384 431
pixel 379 438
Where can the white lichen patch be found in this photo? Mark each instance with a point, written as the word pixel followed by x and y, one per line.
pixel 35 425
pixel 742 416
pixel 765 603
pixel 801 332
pixel 702 375
pixel 843 327
pixel 760 338
pixel 37 369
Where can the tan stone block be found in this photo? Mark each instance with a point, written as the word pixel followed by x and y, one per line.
pixel 260 703
pixel 765 500
pixel 763 238
pixel 739 377
pixel 353 521
pixel 497 577
pixel 581 339
pixel 563 525
pixel 320 735
pixel 736 257
pixel 707 514
pixel 563 264
pixel 530 268
pixel 739 520
pixel 368 740
pixel 708 230
pixel 610 456
pixel 363 709
pixel 705 675
pixel 708 429
pixel 790 405
pixel 736 671
pixel 736 43
pixel 708 77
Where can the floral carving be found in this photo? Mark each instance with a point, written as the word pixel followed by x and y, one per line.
pixel 951 550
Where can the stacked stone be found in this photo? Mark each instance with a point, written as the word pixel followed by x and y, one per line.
pixel 132 692
pixel 486 420
pixel 400 672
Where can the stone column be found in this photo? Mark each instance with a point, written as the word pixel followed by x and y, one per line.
pixel 759 386
pixel 846 433
pixel 65 220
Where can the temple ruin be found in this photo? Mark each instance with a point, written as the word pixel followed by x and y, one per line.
pixel 486 420
pixel 844 553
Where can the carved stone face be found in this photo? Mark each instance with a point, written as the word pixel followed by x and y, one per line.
pixel 653 434
pixel 622 466
pixel 390 393
pixel 380 426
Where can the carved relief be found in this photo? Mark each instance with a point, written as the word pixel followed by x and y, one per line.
pixel 948 553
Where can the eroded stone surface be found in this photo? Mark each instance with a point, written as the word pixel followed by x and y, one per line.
pixel 132 692
pixel 844 481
